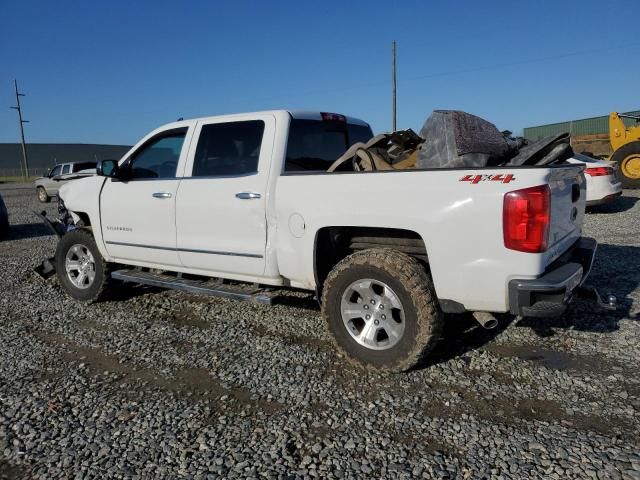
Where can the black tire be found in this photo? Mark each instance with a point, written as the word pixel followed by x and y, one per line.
pixel 410 283
pixel 102 279
pixel 4 220
pixel 4 228
pixel 621 157
pixel 43 197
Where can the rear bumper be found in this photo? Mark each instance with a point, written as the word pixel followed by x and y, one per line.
pixel 549 294
pixel 602 201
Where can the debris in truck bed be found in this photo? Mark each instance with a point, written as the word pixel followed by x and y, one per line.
pixel 452 139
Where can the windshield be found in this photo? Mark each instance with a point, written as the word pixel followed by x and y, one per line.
pixel 55 171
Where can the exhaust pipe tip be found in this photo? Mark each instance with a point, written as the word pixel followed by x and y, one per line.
pixel 486 320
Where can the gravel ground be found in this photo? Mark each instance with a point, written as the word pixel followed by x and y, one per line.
pixel 160 384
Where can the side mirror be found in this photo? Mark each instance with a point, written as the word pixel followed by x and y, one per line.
pixel 107 168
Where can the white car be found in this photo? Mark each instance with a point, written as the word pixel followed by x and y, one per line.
pixel 603 185
pixel 248 198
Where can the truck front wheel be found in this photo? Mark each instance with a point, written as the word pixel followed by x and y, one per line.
pixel 81 270
pixel 43 196
pixel 381 309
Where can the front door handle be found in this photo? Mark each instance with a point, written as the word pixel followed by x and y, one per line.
pixel 161 195
pixel 247 195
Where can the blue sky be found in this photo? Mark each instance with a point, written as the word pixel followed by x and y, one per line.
pixel 108 72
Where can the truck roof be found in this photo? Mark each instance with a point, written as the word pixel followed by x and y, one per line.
pixel 298 114
pixel 311 115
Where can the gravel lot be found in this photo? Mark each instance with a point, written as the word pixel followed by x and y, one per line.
pixel 160 384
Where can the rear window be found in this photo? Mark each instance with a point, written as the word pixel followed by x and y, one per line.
pixel 83 166
pixel 315 144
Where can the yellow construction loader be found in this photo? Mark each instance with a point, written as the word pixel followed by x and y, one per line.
pixel 625 142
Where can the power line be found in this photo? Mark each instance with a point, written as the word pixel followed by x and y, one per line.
pixel 445 73
pixel 393 88
pixel 21 122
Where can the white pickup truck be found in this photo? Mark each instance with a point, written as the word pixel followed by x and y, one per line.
pixel 246 200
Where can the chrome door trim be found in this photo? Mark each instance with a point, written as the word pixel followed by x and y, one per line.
pixel 186 250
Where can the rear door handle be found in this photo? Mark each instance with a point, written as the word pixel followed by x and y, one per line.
pixel 247 195
pixel 162 195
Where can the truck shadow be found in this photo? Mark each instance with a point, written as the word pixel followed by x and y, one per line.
pixel 462 334
pixel 303 301
pixel 616 271
pixel 127 291
pixel 620 204
pixel 28 230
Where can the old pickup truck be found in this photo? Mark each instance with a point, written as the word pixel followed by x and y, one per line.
pixel 238 205
pixel 48 186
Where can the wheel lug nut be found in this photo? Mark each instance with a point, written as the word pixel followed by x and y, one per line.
pixel 366 307
pixel 381 307
pixel 373 302
pixel 383 317
pixel 377 322
pixel 367 317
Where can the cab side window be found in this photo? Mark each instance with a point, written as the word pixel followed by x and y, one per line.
pixel 158 158
pixel 228 149
pixel 66 169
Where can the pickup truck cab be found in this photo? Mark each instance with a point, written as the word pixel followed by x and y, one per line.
pixel 247 198
pixel 48 186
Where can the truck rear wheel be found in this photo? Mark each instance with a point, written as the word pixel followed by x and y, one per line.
pixel 381 309
pixel 43 196
pixel 628 159
pixel 81 270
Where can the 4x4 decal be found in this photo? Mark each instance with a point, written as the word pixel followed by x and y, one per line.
pixel 504 178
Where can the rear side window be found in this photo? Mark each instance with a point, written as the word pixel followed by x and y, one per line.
pixel 83 166
pixel 66 169
pixel 228 149
pixel 314 144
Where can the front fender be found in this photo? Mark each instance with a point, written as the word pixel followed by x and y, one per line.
pixel 83 196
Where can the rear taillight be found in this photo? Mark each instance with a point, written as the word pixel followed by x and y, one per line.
pixel 525 219
pixel 599 171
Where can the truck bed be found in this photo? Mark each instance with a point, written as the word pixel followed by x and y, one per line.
pixel 457 213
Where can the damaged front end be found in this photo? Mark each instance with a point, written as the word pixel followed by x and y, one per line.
pixel 63 224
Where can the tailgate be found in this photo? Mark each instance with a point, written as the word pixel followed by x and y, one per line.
pixel 568 196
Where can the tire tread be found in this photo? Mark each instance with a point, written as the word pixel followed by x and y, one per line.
pixel 419 286
pixel 106 281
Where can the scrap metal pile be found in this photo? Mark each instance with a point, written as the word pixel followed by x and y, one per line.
pixel 452 139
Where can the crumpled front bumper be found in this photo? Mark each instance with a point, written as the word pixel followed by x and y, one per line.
pixel 47 268
pixel 549 294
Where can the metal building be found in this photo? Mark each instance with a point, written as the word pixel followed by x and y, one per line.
pixel 585 126
pixel 43 156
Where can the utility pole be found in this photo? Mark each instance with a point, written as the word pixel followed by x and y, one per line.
pixel 393 82
pixel 21 122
